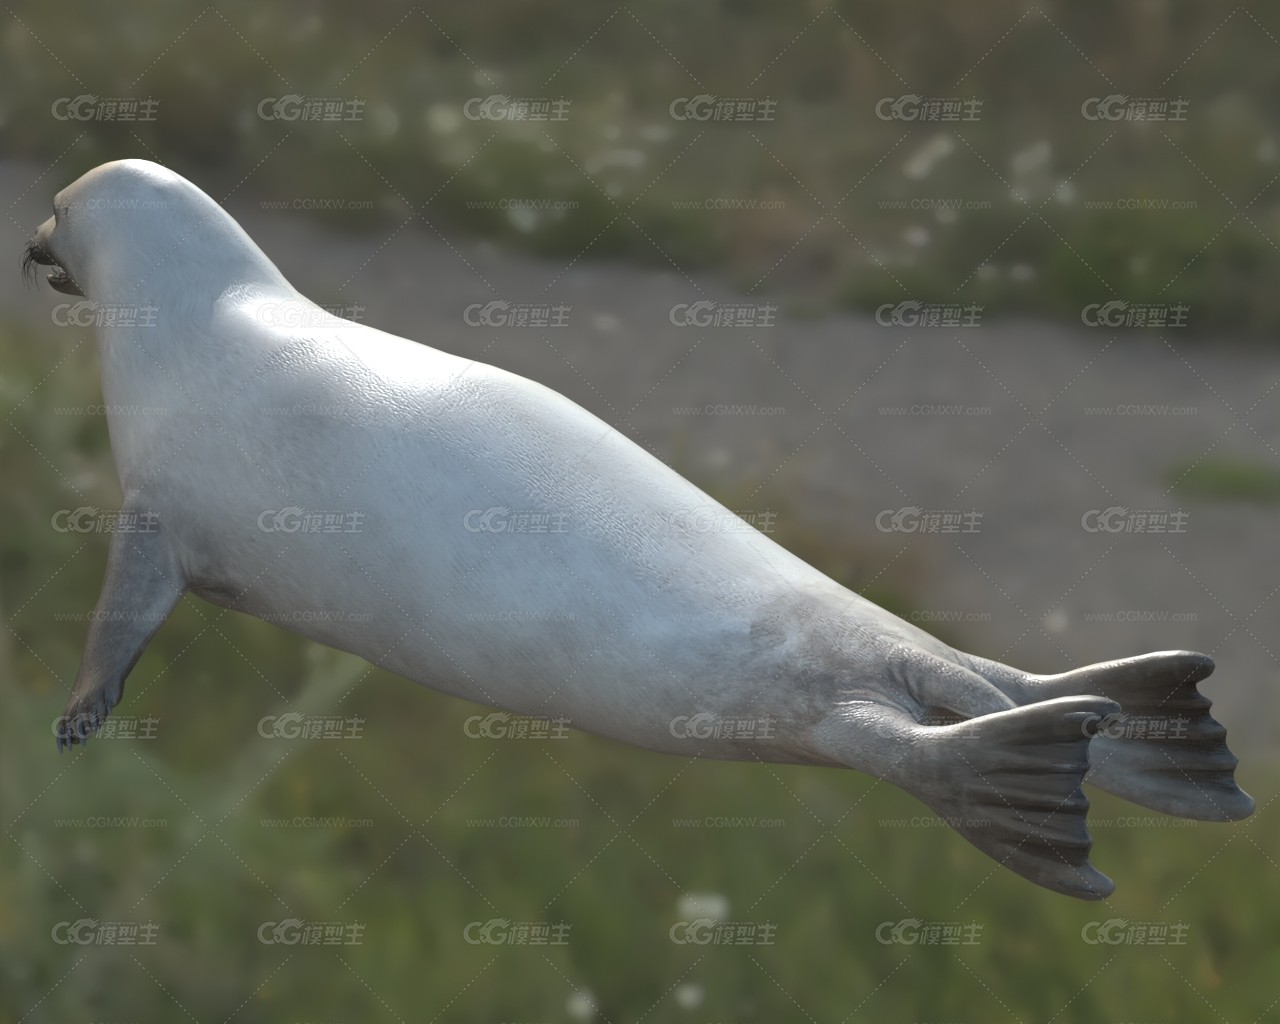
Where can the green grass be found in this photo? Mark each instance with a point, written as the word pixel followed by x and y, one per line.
pixel 382 831
pixel 1227 479
pixel 414 871
pixel 831 184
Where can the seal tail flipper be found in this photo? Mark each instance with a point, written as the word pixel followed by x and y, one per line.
pixel 1009 782
pixel 1164 750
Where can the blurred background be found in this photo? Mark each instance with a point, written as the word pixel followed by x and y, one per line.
pixel 855 270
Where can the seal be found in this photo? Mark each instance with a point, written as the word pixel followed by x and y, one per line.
pixel 483 535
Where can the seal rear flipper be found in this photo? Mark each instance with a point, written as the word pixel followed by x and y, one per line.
pixel 1009 783
pixel 1164 750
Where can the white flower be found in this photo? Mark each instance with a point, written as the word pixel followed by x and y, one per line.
pixel 580 1005
pixel 693 905
pixel 921 163
pixel 689 996
pixel 916 235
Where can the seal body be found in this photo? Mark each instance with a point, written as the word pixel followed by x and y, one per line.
pixel 508 546
pixel 483 535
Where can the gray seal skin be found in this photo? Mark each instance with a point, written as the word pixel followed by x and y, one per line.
pixel 663 625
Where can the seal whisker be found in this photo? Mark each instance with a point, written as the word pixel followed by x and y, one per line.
pixel 32 257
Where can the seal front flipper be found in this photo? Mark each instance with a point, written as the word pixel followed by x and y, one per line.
pixel 141 587
pixel 1164 750
pixel 1009 782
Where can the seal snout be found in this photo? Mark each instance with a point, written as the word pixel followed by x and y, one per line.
pixel 32 256
pixel 35 255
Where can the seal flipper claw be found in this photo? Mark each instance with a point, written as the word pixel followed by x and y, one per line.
pixel 141 587
pixel 1009 782
pixel 1164 751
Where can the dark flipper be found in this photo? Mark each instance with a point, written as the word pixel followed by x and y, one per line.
pixel 142 585
pixel 1163 750
pixel 1009 782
